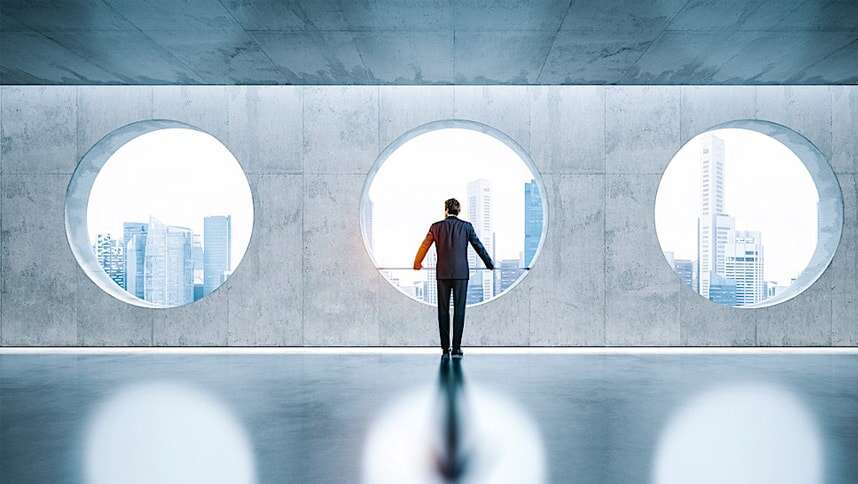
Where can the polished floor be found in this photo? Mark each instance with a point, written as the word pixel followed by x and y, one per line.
pixel 662 418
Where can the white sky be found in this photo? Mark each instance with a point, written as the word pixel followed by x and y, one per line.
pixel 767 188
pixel 409 190
pixel 178 176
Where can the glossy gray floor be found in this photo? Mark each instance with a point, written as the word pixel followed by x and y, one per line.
pixel 602 418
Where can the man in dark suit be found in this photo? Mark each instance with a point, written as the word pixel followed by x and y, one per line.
pixel 451 237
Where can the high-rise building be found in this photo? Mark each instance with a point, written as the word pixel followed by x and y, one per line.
pixel 168 265
pixel 134 236
pixel 533 218
pixel 773 289
pixel 197 256
pixel 509 272
pixel 714 228
pixel 217 245
pixel 110 254
pixel 481 286
pixel 722 290
pixel 430 287
pixel 685 269
pixel 745 263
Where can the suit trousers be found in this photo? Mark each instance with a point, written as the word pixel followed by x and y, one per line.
pixel 459 289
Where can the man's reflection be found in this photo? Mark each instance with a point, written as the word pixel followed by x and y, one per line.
pixel 452 458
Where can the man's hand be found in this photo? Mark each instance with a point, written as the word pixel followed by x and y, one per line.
pixel 418 266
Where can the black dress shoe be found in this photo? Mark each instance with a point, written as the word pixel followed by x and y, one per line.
pixel 457 353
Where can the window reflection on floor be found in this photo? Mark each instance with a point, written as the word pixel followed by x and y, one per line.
pixel 166 433
pixel 378 418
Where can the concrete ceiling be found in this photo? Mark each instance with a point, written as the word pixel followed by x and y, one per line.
pixel 428 42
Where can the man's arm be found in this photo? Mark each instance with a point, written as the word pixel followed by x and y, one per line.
pixel 421 252
pixel 478 246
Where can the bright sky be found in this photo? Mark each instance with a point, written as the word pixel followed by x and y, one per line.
pixel 409 190
pixel 178 176
pixel 767 188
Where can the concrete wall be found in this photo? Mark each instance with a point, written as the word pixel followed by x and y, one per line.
pixel 601 278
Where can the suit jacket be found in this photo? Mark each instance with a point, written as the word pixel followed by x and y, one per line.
pixel 451 237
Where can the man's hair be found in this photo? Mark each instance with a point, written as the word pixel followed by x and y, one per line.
pixel 452 206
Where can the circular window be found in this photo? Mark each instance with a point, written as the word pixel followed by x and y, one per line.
pixel 748 214
pixel 159 214
pixel 499 191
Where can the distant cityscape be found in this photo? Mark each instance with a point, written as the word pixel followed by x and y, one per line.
pixel 484 284
pixel 730 263
pixel 167 265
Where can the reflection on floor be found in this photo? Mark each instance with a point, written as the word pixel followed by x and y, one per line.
pixel 350 418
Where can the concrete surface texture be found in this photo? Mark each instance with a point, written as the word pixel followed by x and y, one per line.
pixel 306 279
pixel 429 42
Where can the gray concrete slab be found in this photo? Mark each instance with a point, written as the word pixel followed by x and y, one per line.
pixel 266 289
pixel 103 320
pixel 205 108
pixel 229 56
pixel 331 136
pixel 594 56
pixel 32 58
pixel 802 321
pixel 642 128
pixel 39 129
pixel 566 284
pixel 844 117
pixel 503 108
pixel 705 323
pixel 266 128
pixel 403 108
pixel 315 57
pixel 102 109
pixel 844 320
pixel 500 57
pixel 39 271
pixel 339 279
pixel 504 321
pixel 203 323
pixel 340 129
pixel 404 321
pixel 393 42
pixel 807 111
pixel 704 108
pixel 567 129
pixel 390 55
pixel 642 291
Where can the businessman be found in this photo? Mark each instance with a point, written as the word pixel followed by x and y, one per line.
pixel 451 237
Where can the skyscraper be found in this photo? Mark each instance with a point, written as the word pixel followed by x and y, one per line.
pixel 714 228
pixel 197 256
pixel 168 265
pixel 430 288
pixel 685 269
pixel 110 254
pixel 722 290
pixel 510 270
pixel 532 220
pixel 217 246
pixel 134 236
pixel 744 265
pixel 479 192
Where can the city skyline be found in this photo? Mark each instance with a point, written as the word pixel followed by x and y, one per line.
pixel 178 176
pixel 408 191
pixel 765 189
pixel 484 284
pixel 164 264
